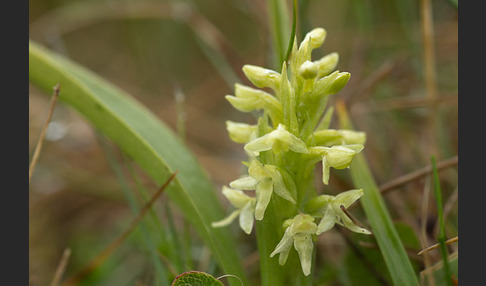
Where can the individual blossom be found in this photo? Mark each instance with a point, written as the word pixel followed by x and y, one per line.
pixel 264 179
pixel 279 140
pixel 331 209
pixel 338 157
pixel 299 234
pixel 245 209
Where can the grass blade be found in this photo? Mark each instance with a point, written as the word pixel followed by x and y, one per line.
pixel 389 242
pixel 441 236
pixel 279 26
pixel 143 137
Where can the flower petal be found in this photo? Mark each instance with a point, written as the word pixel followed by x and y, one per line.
pixel 244 183
pixel 280 188
pixel 340 157
pixel 304 245
pixel 348 223
pixel 236 197
pixel 349 197
pixel 328 220
pixel 241 132
pixel 264 190
pixel 325 170
pixel 260 144
pixel 262 77
pixel 246 217
pixel 226 221
pixel 283 247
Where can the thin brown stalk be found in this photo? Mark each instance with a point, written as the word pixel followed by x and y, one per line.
pixel 351 217
pixel 418 174
pixel 410 252
pixel 103 255
pixel 437 245
pixel 61 267
pixel 38 147
pixel 427 25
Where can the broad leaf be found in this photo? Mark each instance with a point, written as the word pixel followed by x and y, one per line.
pixel 143 137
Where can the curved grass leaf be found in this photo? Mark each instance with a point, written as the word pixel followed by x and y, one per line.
pixel 145 139
pixel 391 247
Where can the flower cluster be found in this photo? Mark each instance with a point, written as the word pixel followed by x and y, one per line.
pixel 290 137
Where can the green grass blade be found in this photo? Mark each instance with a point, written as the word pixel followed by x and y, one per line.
pixel 441 236
pixel 161 273
pixel 143 137
pixel 280 29
pixel 391 247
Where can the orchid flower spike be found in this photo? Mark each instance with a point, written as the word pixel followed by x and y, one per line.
pixel 245 209
pixel 299 233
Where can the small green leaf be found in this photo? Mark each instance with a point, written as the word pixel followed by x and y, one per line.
pixel 196 278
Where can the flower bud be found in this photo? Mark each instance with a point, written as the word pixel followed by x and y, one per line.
pixel 308 70
pixel 241 132
pixel 330 84
pixel 327 64
pixel 338 84
pixel 262 77
pixel 316 38
pixel 340 157
pixel 247 99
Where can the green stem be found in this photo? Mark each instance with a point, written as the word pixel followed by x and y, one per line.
pixel 268 236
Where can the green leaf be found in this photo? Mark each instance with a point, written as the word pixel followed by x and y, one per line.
pixel 280 30
pixel 392 249
pixel 145 139
pixel 196 278
pixel 399 266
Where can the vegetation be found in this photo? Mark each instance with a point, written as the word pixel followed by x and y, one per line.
pixel 348 139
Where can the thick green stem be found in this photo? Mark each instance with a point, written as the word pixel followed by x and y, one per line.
pixel 268 236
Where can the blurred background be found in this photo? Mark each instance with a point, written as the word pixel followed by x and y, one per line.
pixel 180 58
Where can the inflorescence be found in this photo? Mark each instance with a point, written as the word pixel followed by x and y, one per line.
pixel 292 135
